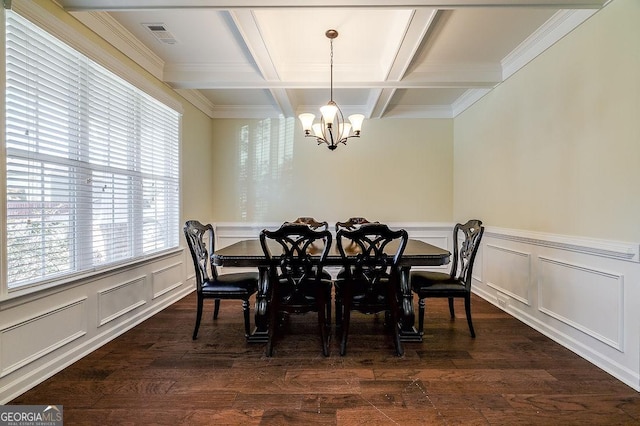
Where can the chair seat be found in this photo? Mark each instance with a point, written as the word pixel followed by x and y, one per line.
pixel 231 285
pixel 428 276
pixel 435 282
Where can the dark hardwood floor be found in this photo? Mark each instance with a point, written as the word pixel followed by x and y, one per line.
pixel 508 375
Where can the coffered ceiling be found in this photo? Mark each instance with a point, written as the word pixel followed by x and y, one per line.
pixel 266 58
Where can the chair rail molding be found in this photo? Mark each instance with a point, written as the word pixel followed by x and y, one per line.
pixel 620 250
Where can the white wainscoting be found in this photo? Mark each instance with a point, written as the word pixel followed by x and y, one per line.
pixel 42 333
pixel 581 292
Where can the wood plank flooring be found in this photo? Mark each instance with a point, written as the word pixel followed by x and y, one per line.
pixel 509 375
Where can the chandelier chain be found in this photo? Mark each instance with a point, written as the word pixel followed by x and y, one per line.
pixel 331 62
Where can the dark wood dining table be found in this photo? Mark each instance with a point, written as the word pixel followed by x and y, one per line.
pixel 249 253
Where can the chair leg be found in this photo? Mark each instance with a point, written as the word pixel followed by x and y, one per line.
pixel 395 309
pixel 421 309
pixel 323 306
pixel 216 309
pixel 339 313
pixel 451 310
pixel 198 316
pixel 467 308
pixel 273 323
pixel 328 308
pixel 346 319
pixel 247 321
pixel 388 321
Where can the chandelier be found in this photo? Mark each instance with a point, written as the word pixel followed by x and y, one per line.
pixel 332 129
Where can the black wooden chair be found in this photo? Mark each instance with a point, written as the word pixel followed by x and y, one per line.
pixel 456 283
pixel 210 284
pixel 351 223
pixel 295 280
pixel 371 285
pixel 311 223
pixel 316 226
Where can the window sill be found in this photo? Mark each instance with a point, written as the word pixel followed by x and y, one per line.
pixel 48 288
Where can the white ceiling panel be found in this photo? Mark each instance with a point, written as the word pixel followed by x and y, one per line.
pixel 266 58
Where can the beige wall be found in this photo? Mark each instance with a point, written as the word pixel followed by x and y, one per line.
pixel 399 170
pixel 196 173
pixel 556 147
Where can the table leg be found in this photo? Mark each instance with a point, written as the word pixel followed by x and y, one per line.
pixel 408 332
pixel 261 332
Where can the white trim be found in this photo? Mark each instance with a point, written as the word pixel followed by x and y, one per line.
pixel 616 344
pixel 558 26
pixel 627 251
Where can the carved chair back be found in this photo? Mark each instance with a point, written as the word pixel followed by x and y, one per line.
pixel 296 264
pixel 201 241
pixel 465 246
pixel 375 266
pixel 351 223
pixel 311 223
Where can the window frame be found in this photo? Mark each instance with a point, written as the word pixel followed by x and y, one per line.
pixel 97 51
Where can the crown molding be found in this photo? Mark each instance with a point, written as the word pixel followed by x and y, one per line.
pixel 198 100
pixel 467 99
pixel 118 36
pixel 558 26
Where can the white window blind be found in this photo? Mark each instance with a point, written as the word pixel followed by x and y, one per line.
pixel 92 162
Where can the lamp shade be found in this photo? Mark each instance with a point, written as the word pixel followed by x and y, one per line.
pixel 345 128
pixel 328 113
pixel 356 122
pixel 317 130
pixel 307 121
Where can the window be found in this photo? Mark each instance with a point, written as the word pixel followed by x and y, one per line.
pixel 92 163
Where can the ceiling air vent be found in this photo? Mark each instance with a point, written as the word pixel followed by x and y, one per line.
pixel 160 32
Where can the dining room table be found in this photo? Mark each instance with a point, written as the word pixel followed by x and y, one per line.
pixel 249 254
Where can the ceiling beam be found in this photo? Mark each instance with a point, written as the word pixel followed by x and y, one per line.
pixel 415 33
pixel 247 26
pixel 123 5
pixel 212 83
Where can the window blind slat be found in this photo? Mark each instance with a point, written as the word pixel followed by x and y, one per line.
pixel 92 162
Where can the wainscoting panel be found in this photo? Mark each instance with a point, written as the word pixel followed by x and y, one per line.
pixel 583 293
pixel 116 301
pixel 39 335
pixel 597 296
pixel 167 279
pixel 507 271
pixel 43 332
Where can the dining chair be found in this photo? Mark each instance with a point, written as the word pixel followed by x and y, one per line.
pixel 315 225
pixel 296 282
pixel 372 254
pixel 211 285
pixel 456 283
pixel 349 224
pixel 311 223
